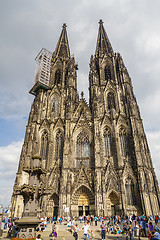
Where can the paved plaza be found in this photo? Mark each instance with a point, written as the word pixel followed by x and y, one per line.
pixel 64 232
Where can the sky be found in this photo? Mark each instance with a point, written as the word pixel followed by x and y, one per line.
pixel 28 26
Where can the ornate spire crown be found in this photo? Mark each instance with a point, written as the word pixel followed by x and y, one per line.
pixel 103 44
pixel 62 49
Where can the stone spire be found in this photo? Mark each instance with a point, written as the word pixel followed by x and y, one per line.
pixel 62 48
pixel 103 43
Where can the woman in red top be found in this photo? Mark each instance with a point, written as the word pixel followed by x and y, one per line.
pixel 156 219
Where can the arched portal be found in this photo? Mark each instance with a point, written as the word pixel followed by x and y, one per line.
pixel 83 202
pixel 83 205
pixel 113 202
pixel 53 206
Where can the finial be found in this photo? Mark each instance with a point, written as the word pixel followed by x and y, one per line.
pixel 100 22
pixel 64 26
pixel 82 94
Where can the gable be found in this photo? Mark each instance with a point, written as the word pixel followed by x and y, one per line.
pixel 59 125
pixel 44 125
pixel 82 108
pixel 82 179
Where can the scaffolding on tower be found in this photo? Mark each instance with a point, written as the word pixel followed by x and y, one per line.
pixel 42 73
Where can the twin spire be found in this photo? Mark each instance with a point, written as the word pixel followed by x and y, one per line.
pixel 103 44
pixel 62 48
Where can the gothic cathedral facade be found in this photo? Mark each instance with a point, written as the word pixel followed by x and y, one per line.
pixel 94 157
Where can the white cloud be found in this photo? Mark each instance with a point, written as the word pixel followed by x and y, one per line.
pixel 153 141
pixel 9 159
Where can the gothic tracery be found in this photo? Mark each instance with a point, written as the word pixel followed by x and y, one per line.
pixel 44 146
pixel 123 142
pixel 107 142
pixel 59 146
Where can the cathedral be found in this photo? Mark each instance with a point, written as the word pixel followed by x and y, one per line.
pixel 82 158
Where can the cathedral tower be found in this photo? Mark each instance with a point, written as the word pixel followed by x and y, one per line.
pixel 94 159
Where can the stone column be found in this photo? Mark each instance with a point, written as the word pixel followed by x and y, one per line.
pixel 29 221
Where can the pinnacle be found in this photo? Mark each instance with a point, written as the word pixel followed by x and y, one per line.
pixel 100 22
pixel 62 49
pixel 82 94
pixel 64 26
pixel 103 43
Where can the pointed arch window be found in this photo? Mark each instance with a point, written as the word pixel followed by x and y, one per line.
pixel 123 142
pixel 130 192
pixel 111 102
pixel 127 193
pixel 107 73
pixel 66 78
pixel 118 71
pixel 133 194
pixel 82 150
pixel 83 146
pixel 55 105
pixel 44 146
pixel 58 76
pixel 59 147
pixel 107 142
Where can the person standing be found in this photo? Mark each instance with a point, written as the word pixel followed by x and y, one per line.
pixel 6 223
pixel 89 229
pixel 137 230
pixel 80 218
pixel 95 219
pixel 130 233
pixel 92 220
pixel 55 231
pixel 156 219
pixel 143 228
pixel 103 230
pixel 73 224
pixel 85 229
pixel 76 230
pixel 60 220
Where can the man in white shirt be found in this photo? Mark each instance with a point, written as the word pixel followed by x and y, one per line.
pixel 85 231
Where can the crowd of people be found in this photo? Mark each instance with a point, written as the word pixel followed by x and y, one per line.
pixel 130 226
pixel 8 223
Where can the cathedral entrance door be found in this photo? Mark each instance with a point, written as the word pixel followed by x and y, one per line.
pixel 113 210
pixel 86 210
pixel 83 205
pixel 55 212
pixel 80 210
pixel 113 201
pixel 55 205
